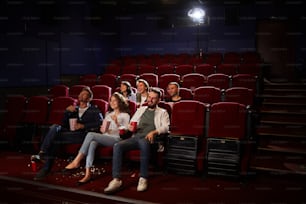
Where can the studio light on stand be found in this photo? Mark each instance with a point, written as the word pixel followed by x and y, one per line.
pixel 197 16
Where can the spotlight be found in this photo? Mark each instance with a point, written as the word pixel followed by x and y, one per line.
pixel 197 15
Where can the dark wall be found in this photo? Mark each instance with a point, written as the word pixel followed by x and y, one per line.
pixel 43 40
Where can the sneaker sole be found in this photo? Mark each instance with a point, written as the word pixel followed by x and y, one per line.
pixel 114 191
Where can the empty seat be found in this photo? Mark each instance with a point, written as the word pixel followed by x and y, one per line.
pixel 231 58
pixel 101 92
pixel 152 79
pixel 192 81
pixel 213 58
pixel 227 120
pixel 108 80
pixel 75 90
pixel 185 142
pixel 58 90
pixel 13 114
pixel 129 69
pixel 186 94
pixel 229 69
pixel 113 69
pixel 146 68
pixel 245 80
pixel 88 80
pixel 164 69
pixel 36 110
pixel 240 95
pixel 129 60
pixel 165 79
pixel 195 60
pixel 221 81
pixel 207 94
pixel 205 69
pixel 166 106
pixel 184 69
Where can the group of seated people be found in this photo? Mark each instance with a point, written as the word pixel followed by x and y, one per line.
pixel 91 129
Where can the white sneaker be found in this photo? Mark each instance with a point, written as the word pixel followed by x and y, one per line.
pixel 142 184
pixel 113 186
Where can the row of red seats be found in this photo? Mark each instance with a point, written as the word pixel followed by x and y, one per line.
pixel 205 94
pixel 181 69
pixel 214 58
pixel 191 81
pixel 188 118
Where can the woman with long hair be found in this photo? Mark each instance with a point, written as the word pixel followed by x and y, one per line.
pixel 116 118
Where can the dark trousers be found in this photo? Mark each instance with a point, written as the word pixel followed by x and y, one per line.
pixel 57 136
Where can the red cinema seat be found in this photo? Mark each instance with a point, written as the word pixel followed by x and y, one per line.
pixel 240 95
pixel 245 80
pixel 231 58
pixel 101 92
pixel 108 80
pixel 151 78
pixel 192 81
pixel 130 69
pixel 165 69
pixel 186 94
pixel 101 104
pixel 58 107
pixel 58 90
pixel 88 80
pixel 146 68
pixel 229 69
pixel 253 69
pixel 221 81
pixel 205 69
pixel 113 69
pixel 184 69
pixel 213 58
pixel 207 94
pixel 128 77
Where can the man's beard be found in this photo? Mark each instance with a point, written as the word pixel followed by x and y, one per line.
pixel 152 106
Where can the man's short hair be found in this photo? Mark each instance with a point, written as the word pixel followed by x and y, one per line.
pixel 157 91
pixel 89 92
pixel 174 83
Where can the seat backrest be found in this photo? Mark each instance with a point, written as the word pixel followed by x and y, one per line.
pixel 151 78
pixel 88 80
pixel 207 94
pixel 108 80
pixel 101 104
pixel 14 109
pixel 128 77
pixel 240 95
pixel 244 80
pixel 192 81
pixel 227 120
pixel 58 90
pixel 101 92
pixel 75 90
pixel 221 81
pixel 166 106
pixel 188 118
pixel 36 110
pixel 186 93
pixel 113 69
pixel 165 79
pixel 132 107
pixel 129 69
pixel 214 58
pixel 165 69
pixel 184 69
pixel 58 107
pixel 146 68
pixel 250 57
pixel 231 58
pixel 229 69
pixel 205 69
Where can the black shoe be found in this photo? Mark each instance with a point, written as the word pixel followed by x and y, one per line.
pixel 65 170
pixel 41 175
pixel 80 183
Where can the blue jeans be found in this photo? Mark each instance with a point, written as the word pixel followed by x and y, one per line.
pixel 132 143
pixel 91 142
